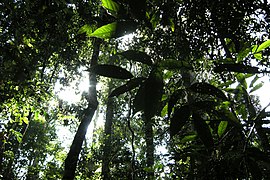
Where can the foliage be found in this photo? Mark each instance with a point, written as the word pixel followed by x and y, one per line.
pixel 185 83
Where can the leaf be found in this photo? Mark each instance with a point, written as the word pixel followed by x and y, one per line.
pixel 241 68
pixel 253 81
pixel 180 117
pixel 264 45
pixel 255 88
pixel 205 88
pixel 242 80
pixel 188 138
pixel 137 56
pixel 86 29
pixel 203 131
pixel 179 93
pixel 115 29
pixel 131 84
pixel 153 93
pixel 111 6
pixel 222 127
pixel 172 64
pixel 138 103
pixel 111 71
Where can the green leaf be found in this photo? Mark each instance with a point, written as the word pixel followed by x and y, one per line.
pixel 131 84
pixel 180 117
pixel 188 138
pixel 137 56
pixel 242 80
pixel 115 29
pixel 111 6
pixel 253 81
pixel 209 89
pixel 111 71
pixel 203 131
pixel 106 31
pixel 264 45
pixel 222 127
pixel 86 29
pixel 255 88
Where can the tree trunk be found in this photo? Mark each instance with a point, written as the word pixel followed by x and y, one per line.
pixel 75 149
pixel 108 133
pixel 149 147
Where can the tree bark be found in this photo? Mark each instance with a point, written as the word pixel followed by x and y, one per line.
pixel 75 149
pixel 108 134
pixel 149 147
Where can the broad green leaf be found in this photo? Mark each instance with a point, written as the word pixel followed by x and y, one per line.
pixel 111 6
pixel 180 117
pixel 188 138
pixel 205 88
pixel 137 56
pixel 115 29
pixel 86 29
pixel 105 31
pixel 222 127
pixel 244 52
pixel 264 45
pixel 164 111
pixel 111 71
pixel 203 131
pixel 131 84
pixel 253 81
pixel 255 88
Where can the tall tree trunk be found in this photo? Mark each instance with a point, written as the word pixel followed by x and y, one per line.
pixel 75 149
pixel 148 122
pixel 108 133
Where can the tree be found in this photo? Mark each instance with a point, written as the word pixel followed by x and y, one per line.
pixel 177 81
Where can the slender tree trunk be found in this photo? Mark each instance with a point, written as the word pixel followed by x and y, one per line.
pixel 108 133
pixel 75 149
pixel 149 147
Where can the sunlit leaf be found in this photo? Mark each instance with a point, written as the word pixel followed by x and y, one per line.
pixel 111 71
pixel 203 131
pixel 131 84
pixel 205 88
pixel 115 29
pixel 242 80
pixel 264 45
pixel 180 117
pixel 255 88
pixel 111 6
pixel 222 127
pixel 86 29
pixel 137 56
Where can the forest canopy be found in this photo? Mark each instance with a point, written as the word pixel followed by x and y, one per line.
pixel 177 100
